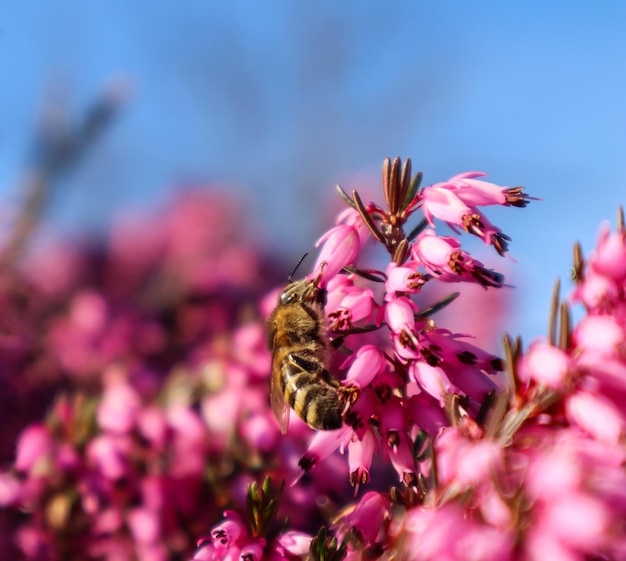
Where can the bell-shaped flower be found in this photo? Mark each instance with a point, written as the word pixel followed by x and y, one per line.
pixel 444 204
pixel 426 414
pixel 340 246
pixel 348 304
pixel 404 278
pixel 476 192
pixel 360 454
pixel 432 379
pixel 367 363
pixel 229 531
pixel 444 259
pixel 368 519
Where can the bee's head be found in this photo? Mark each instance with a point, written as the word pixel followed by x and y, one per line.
pixel 304 290
pixel 299 291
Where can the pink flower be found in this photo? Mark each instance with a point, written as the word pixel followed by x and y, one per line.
pixel 368 519
pixel 596 414
pixel 119 408
pixel 476 192
pixel 445 204
pixel 109 455
pixel 448 533
pixel 348 304
pixel 601 334
pixel 229 531
pixel 360 454
pixel 546 365
pixel 404 278
pixel 33 448
pixel 597 292
pixel 340 248
pixel 443 258
pixel 610 256
pixel 9 489
pixel 144 525
pixel 294 543
pixel 367 363
pixel 322 445
pixel 432 379
pixel 252 550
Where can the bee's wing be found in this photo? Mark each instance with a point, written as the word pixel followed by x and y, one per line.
pixel 277 399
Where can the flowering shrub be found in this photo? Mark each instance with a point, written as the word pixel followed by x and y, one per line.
pixel 160 417
pixel 523 465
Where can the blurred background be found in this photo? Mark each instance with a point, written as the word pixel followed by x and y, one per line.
pixel 279 101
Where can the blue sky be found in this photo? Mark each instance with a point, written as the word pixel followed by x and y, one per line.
pixel 279 101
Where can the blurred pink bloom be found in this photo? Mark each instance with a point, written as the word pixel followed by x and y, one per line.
pixel 33 448
pixel 447 533
pixel 109 455
pixel 294 542
pixel 368 519
pixel 352 218
pixel 597 292
pixel 228 532
pixel 144 525
pixel 119 408
pixel 609 258
pixel 596 414
pixel 546 365
pixel 9 489
pixel 600 333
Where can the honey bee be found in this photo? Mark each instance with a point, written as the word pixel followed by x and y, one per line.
pixel 300 348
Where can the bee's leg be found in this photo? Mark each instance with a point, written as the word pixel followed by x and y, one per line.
pixel 348 396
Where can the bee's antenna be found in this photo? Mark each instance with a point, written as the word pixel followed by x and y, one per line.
pixel 290 279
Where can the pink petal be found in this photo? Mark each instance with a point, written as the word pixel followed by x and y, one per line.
pixel 596 414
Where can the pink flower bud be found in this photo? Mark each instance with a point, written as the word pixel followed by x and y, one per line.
pixel 340 248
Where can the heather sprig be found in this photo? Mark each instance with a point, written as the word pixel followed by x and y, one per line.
pixel 404 366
